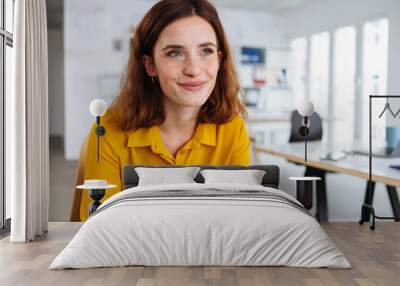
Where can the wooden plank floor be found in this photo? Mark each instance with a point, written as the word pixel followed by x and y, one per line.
pixel 375 257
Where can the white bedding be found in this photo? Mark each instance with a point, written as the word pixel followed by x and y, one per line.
pixel 182 231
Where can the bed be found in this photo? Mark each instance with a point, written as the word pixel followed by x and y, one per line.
pixel 201 224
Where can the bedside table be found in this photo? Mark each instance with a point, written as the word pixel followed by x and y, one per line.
pixel 97 190
pixel 304 190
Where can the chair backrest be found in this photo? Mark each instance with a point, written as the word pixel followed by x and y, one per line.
pixel 79 180
pixel 315 127
pixel 396 151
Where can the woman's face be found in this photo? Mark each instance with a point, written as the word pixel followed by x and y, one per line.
pixel 185 61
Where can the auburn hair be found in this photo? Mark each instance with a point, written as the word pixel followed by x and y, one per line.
pixel 140 101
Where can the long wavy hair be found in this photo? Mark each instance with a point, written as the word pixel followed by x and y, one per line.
pixel 140 101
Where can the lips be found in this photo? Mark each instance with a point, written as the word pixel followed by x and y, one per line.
pixel 192 86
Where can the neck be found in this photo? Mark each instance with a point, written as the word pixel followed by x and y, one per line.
pixel 179 119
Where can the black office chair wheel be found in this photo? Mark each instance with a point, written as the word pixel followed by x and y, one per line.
pixel 361 222
pixel 372 227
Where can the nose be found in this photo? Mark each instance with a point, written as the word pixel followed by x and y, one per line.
pixel 192 66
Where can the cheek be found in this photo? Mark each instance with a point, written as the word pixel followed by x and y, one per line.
pixel 167 74
pixel 167 70
pixel 212 69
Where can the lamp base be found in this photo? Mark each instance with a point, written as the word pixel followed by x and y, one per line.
pixel 304 193
pixel 304 190
pixel 96 195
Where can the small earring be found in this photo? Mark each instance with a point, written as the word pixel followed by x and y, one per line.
pixel 154 79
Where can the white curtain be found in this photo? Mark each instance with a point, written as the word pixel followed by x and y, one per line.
pixel 27 147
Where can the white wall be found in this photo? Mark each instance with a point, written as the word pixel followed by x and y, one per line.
pixel 89 29
pixel 253 28
pixel 345 193
pixel 56 81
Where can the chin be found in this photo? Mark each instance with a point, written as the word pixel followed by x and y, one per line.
pixel 192 99
pixel 192 104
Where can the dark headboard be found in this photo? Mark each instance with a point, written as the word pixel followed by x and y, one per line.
pixel 270 179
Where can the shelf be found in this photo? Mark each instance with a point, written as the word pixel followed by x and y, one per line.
pixel 273 87
pixel 280 87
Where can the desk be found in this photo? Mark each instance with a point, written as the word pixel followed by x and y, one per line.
pixel 354 165
pixel 274 117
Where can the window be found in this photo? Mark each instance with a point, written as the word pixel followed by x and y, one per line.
pixel 6 43
pixel 344 84
pixel 319 72
pixel 9 15
pixel 374 75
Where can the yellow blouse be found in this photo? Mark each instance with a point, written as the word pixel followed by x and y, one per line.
pixel 211 144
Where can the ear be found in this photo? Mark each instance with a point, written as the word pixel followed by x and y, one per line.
pixel 149 65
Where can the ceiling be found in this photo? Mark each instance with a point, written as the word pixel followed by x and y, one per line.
pixel 274 6
pixel 55 7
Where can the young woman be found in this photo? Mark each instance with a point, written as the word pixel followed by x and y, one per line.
pixel 178 103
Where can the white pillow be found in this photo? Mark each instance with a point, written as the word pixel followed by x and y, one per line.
pixel 249 177
pixel 162 176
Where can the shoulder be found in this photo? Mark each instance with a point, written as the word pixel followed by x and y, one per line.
pixel 113 133
pixel 110 123
pixel 233 130
pixel 237 123
pixel 232 135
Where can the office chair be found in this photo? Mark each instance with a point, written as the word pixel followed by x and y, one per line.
pixel 396 151
pixel 315 127
pixel 79 180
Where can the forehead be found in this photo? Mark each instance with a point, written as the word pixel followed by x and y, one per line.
pixel 189 31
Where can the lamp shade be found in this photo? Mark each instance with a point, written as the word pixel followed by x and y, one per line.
pixel 98 107
pixel 305 108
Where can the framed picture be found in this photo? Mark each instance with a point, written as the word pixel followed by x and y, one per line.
pixel 250 55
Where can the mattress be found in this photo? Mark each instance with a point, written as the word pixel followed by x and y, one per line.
pixel 201 225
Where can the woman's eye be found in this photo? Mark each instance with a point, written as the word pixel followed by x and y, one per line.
pixel 174 54
pixel 207 51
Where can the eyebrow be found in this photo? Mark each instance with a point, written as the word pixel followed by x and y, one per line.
pixel 206 44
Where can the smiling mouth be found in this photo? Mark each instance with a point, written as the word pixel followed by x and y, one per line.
pixel 192 86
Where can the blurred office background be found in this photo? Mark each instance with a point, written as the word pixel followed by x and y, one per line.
pixel 335 53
